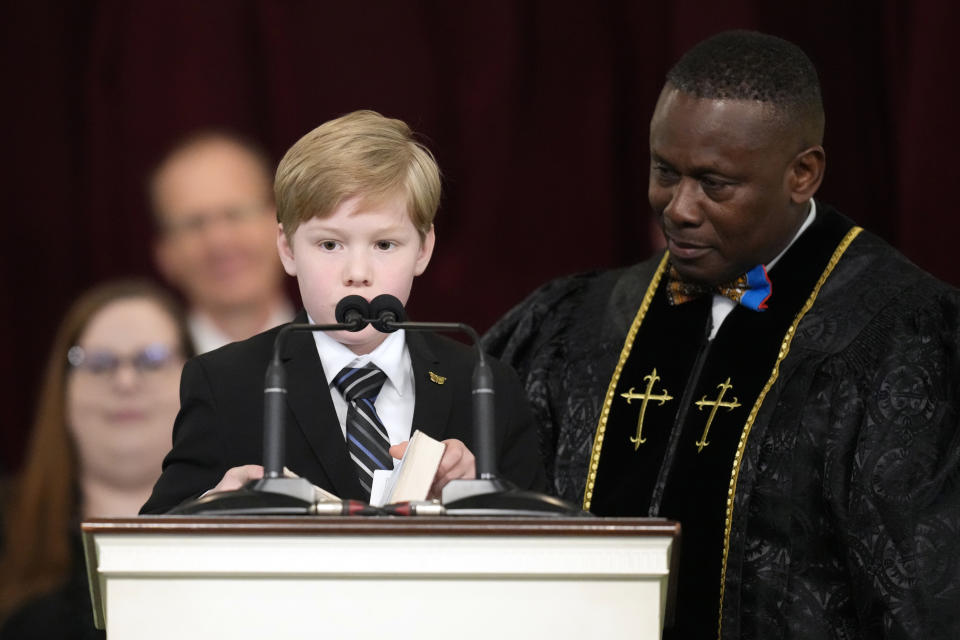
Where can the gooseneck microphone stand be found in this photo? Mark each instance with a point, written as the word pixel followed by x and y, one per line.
pixel 276 494
pixel 487 494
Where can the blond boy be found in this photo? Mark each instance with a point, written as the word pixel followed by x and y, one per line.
pixel 356 198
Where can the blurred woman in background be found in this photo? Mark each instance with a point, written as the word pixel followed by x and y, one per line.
pixel 103 424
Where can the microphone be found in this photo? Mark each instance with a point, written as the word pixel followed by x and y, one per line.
pixel 275 493
pixel 487 494
pixel 387 315
pixel 352 310
pixel 385 312
pixel 349 313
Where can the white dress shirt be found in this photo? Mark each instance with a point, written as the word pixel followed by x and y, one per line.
pixel 722 305
pixel 397 397
pixel 207 336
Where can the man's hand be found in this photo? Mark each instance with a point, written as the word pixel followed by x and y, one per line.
pixel 238 476
pixel 457 462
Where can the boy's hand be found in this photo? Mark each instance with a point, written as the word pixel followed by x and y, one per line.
pixel 239 476
pixel 457 462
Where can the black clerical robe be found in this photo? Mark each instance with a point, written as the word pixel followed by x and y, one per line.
pixel 811 451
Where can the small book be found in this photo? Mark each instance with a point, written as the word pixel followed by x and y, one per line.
pixel 412 476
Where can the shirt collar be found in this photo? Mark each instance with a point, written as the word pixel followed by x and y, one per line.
pixel 803 227
pixel 390 356
pixel 207 336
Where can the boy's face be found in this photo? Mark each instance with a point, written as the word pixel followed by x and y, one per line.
pixel 362 248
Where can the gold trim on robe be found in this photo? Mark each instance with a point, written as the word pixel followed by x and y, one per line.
pixel 624 354
pixel 741 446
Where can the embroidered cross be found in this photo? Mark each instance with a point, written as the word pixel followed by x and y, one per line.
pixel 646 397
pixel 715 404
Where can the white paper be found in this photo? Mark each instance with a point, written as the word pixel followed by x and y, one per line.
pixel 382 487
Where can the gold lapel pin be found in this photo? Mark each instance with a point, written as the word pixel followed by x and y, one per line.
pixel 437 379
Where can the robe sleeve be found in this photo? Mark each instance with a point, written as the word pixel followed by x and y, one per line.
pixel 534 339
pixel 892 470
pixel 545 314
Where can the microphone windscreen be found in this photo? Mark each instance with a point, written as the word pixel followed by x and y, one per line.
pixel 384 309
pixel 353 310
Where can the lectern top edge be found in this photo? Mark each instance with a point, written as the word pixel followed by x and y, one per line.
pixel 268 525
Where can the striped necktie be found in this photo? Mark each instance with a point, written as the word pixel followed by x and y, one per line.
pixel 367 439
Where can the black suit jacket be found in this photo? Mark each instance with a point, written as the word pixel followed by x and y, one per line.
pixel 220 424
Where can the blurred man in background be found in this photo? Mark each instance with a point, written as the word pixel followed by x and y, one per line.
pixel 212 199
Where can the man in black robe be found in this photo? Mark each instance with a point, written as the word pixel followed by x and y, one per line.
pixel 780 381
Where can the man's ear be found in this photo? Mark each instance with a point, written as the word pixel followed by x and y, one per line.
pixel 286 252
pixel 806 173
pixel 426 251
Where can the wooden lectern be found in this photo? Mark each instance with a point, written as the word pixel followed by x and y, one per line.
pixel 381 577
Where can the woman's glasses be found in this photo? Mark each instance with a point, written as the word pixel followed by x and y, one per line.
pixel 151 358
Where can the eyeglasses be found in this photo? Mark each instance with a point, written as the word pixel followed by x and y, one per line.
pixel 150 359
pixel 194 224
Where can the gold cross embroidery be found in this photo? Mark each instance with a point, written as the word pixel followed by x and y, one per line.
pixel 646 397
pixel 715 404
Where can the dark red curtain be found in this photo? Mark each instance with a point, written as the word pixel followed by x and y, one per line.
pixel 536 110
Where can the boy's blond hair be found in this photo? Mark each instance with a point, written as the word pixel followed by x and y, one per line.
pixel 359 154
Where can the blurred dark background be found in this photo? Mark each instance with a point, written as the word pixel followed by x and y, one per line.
pixel 537 112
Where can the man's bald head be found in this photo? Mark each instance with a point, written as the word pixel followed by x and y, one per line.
pixel 207 143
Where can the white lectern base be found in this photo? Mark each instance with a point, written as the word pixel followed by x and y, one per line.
pixel 162 577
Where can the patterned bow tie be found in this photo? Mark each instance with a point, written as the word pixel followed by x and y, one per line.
pixel 752 289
